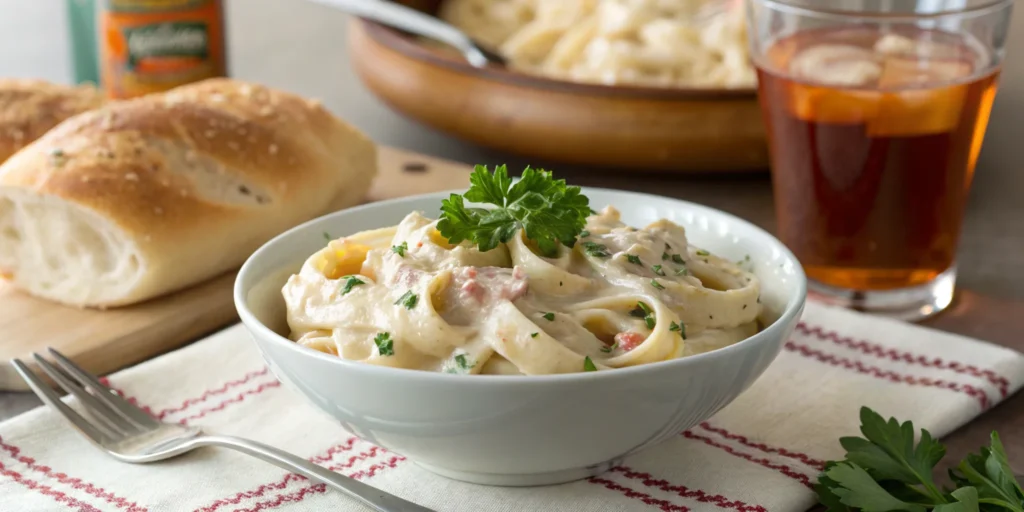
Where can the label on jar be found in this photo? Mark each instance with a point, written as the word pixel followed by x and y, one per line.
pixel 154 45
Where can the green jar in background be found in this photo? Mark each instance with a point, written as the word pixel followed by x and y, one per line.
pixel 131 48
pixel 82 31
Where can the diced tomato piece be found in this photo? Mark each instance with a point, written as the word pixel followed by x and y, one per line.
pixel 473 289
pixel 629 340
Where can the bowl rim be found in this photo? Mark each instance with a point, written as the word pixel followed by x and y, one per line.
pixel 396 41
pixel 790 315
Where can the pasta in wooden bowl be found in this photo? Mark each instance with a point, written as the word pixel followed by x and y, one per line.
pixel 657 93
pixel 671 43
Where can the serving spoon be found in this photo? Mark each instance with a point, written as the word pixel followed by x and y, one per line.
pixel 410 20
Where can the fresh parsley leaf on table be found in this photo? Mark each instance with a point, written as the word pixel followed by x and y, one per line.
pixel 886 470
pixel 549 211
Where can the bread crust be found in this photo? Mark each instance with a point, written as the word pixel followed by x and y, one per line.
pixel 29 108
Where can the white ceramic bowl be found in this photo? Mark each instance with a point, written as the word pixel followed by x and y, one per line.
pixel 516 430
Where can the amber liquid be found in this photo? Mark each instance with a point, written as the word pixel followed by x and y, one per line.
pixel 871 180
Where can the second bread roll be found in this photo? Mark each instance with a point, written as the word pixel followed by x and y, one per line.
pixel 144 197
pixel 29 108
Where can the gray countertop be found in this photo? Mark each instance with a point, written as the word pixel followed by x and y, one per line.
pixel 301 47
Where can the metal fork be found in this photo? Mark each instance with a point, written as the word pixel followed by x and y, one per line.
pixel 129 434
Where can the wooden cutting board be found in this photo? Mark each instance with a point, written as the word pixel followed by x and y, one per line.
pixel 105 341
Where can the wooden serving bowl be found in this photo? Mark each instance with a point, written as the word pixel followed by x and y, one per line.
pixel 636 128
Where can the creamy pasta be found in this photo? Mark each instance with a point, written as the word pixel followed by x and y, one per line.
pixel 644 42
pixel 404 297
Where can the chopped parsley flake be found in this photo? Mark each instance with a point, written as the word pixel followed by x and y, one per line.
pixel 385 345
pixel 641 310
pixel 657 270
pixel 682 272
pixel 550 317
pixel 596 250
pixel 656 284
pixel 57 157
pixel 608 348
pixel 680 328
pixel 678 259
pixel 644 311
pixel 664 256
pixel 400 248
pixel 584 233
pixel 327 236
pixel 351 282
pixel 534 335
pixel 463 362
pixel 408 299
pixel 702 252
pixel 634 259
pixel 588 365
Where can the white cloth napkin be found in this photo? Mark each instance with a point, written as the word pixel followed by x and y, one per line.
pixel 760 453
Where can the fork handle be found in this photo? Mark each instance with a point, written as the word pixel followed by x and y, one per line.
pixel 375 498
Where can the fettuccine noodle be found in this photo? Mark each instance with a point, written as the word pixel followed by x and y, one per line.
pixel 643 42
pixel 404 297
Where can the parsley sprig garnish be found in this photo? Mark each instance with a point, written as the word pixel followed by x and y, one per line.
pixel 886 470
pixel 549 211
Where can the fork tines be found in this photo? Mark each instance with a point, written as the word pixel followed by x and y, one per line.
pixel 112 417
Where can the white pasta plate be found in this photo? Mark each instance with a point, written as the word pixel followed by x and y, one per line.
pixel 516 429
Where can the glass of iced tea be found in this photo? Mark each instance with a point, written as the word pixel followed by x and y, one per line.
pixel 876 111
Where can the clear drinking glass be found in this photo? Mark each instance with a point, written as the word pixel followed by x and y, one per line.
pixel 876 111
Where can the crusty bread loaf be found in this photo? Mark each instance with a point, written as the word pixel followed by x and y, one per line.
pixel 29 108
pixel 147 196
